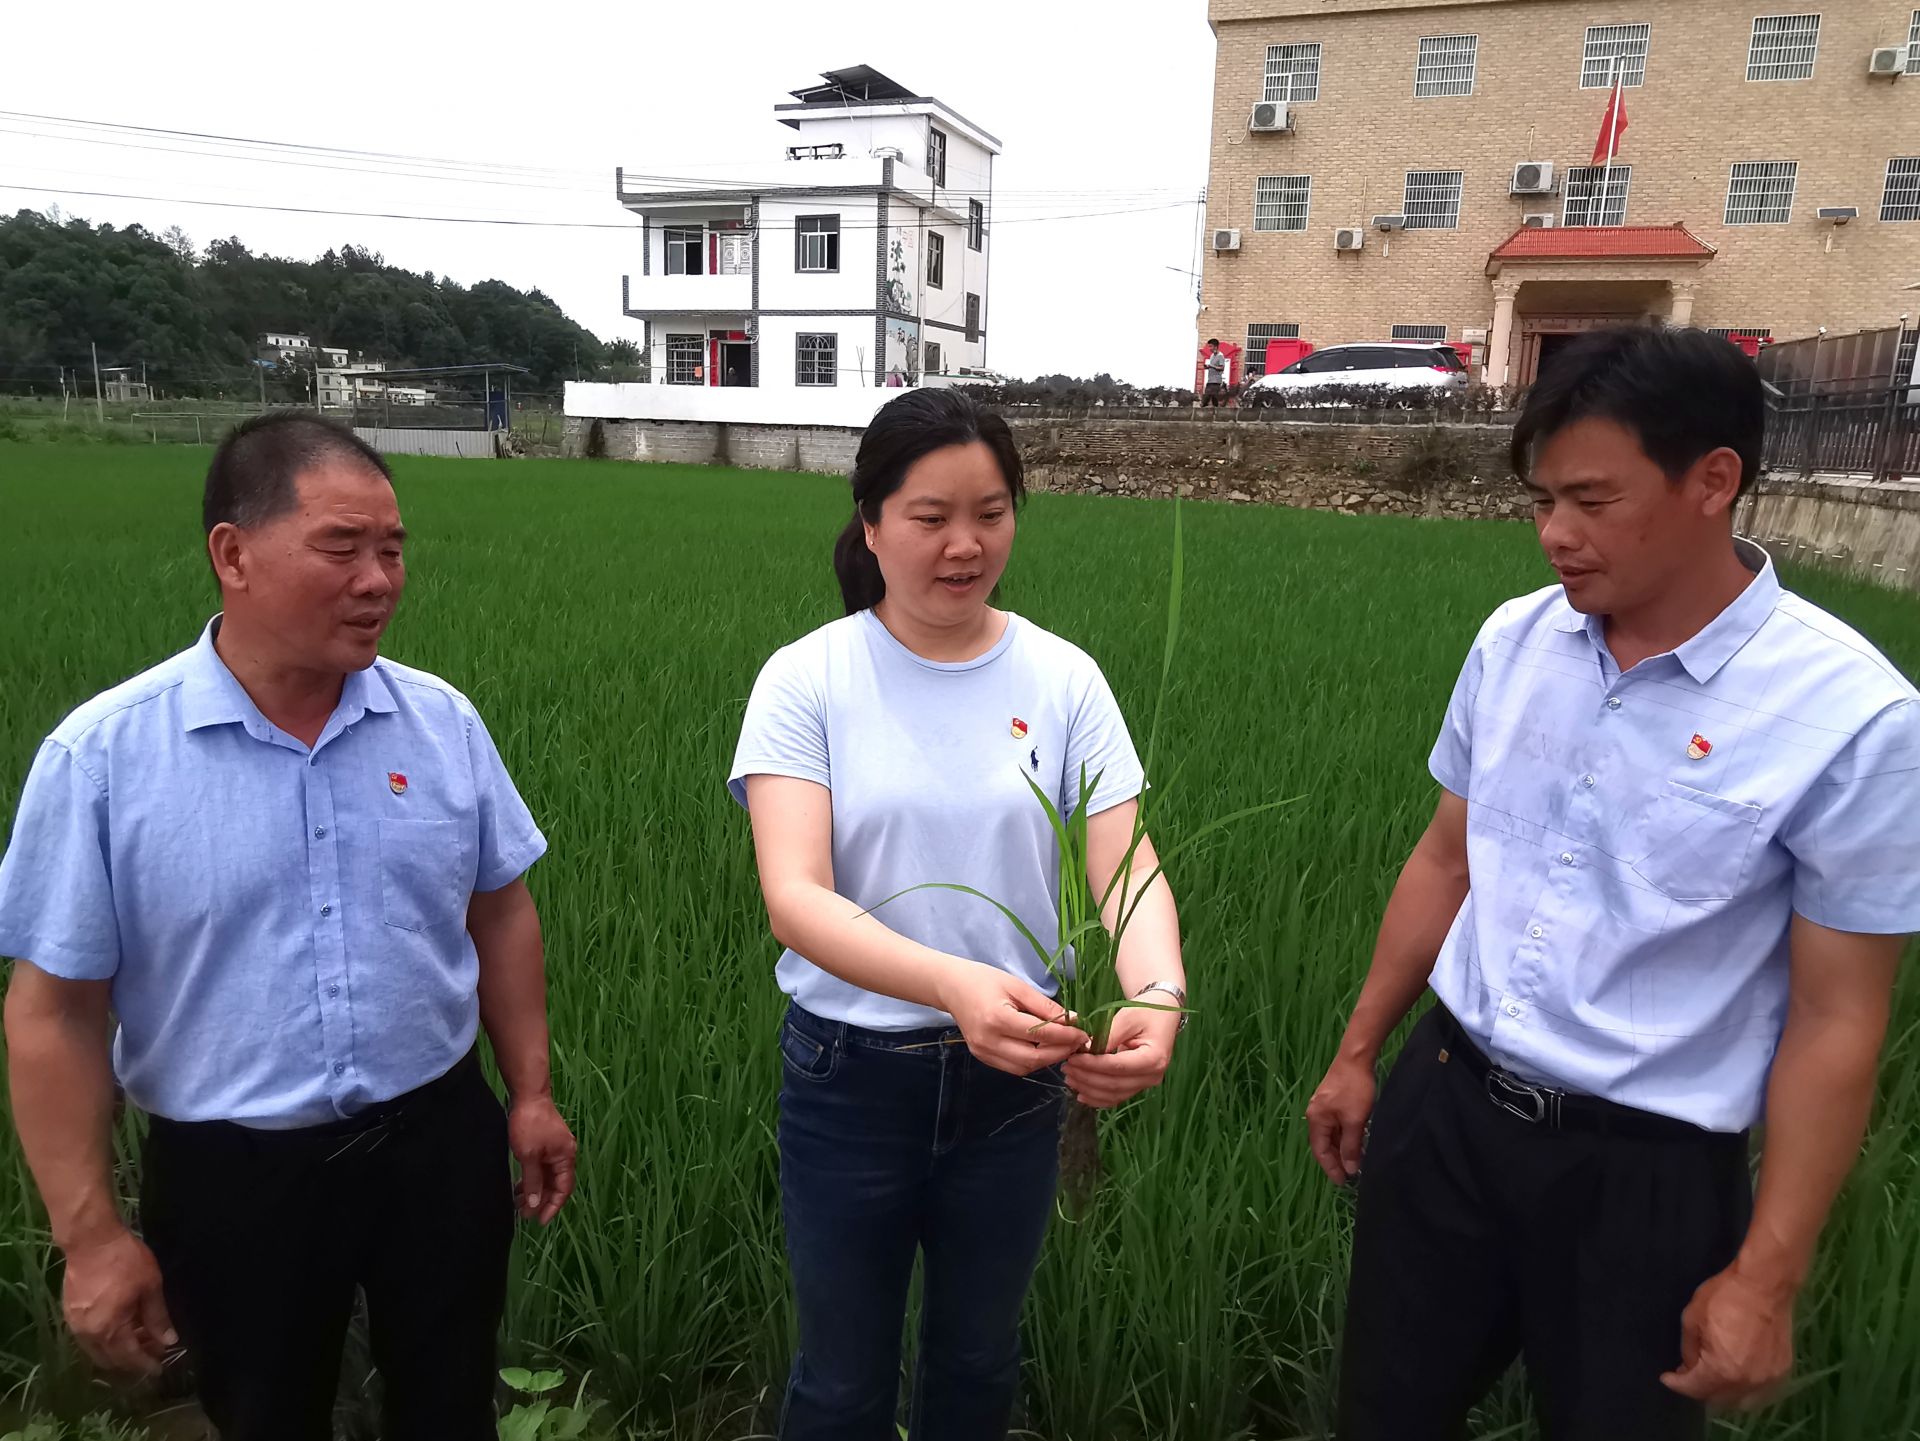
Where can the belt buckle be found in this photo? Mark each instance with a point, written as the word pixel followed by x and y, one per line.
pixel 1507 1090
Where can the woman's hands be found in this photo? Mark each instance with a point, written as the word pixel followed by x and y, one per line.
pixel 1007 1023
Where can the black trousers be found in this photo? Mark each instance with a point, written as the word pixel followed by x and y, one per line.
pixel 1481 1236
pixel 263 1236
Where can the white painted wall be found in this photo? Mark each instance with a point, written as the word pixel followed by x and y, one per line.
pixel 783 287
pixel 765 405
pixel 690 294
pixel 779 347
pixel 860 135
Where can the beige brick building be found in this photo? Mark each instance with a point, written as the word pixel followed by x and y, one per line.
pixel 1743 121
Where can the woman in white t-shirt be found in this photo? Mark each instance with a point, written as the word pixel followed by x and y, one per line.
pixel 925 1062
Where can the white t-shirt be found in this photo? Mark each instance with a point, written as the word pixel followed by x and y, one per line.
pixel 925 761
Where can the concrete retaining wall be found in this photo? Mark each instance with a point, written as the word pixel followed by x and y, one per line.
pixel 1447 470
pixel 1871 528
pixel 823 448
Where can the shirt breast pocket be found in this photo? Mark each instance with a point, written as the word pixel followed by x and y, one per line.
pixel 1697 844
pixel 424 874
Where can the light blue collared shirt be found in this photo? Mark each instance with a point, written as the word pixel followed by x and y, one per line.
pixel 285 929
pixel 1626 931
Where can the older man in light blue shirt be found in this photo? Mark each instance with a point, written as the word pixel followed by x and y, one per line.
pixel 293 871
pixel 1665 890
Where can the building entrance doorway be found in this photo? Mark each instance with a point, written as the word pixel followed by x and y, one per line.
pixel 1544 336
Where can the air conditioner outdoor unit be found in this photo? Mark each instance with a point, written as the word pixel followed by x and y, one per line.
pixel 1226 240
pixel 1270 116
pixel 1838 214
pixel 1532 177
pixel 1350 237
pixel 1389 222
pixel 1888 60
pixel 1538 220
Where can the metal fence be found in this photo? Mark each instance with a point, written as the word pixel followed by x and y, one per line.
pixel 1845 404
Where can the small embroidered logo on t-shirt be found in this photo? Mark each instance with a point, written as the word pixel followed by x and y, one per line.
pixel 1033 759
pixel 397 783
pixel 1699 748
pixel 1019 729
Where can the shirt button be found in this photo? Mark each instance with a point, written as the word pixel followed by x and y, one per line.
pixel 326 910
pixel 1513 1010
pixel 1536 933
pixel 333 990
pixel 1587 781
pixel 339 1068
pixel 319 833
pixel 1613 702
pixel 1566 858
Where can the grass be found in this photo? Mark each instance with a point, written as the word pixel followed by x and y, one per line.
pixel 609 620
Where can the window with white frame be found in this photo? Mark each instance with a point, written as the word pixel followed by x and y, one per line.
pixel 816 243
pixel 816 359
pixel 976 225
pixel 1432 199
pixel 973 318
pixel 686 251
pixel 1293 73
pixel 1280 202
pixel 1752 332
pixel 1446 65
pixel 1596 195
pixel 936 156
pixel 1913 44
pixel 1901 198
pixel 1257 338
pixel 933 357
pixel 936 260
pixel 685 354
pixel 1760 192
pixel 1783 47
pixel 1419 332
pixel 1608 46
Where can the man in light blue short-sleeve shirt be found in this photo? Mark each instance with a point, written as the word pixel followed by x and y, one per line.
pixel 1663 895
pixel 292 870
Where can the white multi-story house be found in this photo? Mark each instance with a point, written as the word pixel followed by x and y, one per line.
pixel 860 259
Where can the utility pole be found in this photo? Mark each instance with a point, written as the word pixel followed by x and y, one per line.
pixel 263 383
pixel 99 404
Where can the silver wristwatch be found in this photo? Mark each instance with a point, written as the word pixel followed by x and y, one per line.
pixel 1179 997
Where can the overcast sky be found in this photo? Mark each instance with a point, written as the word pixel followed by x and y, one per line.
pixel 1102 106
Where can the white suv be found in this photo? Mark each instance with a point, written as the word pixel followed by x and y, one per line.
pixel 1396 365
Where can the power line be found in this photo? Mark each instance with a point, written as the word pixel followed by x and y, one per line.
pixel 466 171
pixel 769 228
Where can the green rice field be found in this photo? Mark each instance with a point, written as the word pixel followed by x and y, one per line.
pixel 609 619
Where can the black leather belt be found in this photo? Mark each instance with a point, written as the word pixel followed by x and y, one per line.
pixel 1557 1110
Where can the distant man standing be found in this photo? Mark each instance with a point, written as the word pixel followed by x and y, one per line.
pixel 1216 375
pixel 293 871
pixel 1664 892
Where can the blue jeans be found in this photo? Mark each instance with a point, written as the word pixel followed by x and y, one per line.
pixel 892 1143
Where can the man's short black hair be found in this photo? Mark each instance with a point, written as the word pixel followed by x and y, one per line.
pixel 1213 342
pixel 252 478
pixel 1682 392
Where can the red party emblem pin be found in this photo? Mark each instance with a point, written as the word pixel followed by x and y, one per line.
pixel 1019 729
pixel 1699 748
pixel 397 783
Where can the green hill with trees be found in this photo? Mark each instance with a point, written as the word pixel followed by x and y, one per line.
pixel 193 318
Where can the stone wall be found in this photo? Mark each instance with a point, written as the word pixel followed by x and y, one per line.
pixel 1871 528
pixel 828 449
pixel 1403 469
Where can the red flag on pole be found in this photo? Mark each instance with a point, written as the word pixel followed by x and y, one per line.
pixel 1611 124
